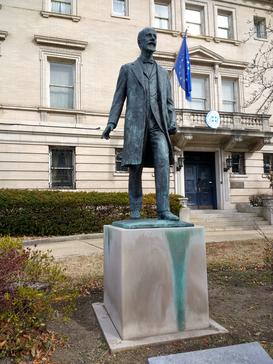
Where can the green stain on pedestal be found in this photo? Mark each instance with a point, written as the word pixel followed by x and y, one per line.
pixel 178 245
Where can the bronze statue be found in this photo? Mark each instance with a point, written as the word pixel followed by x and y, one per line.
pixel 149 121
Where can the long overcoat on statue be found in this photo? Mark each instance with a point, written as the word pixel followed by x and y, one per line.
pixel 130 87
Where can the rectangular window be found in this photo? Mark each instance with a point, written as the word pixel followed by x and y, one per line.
pixel 260 27
pixel 162 15
pixel 118 157
pixel 120 7
pixel 268 163
pixel 229 95
pixel 238 163
pixel 199 93
pixel 61 6
pixel 62 167
pixel 225 24
pixel 61 86
pixel 194 16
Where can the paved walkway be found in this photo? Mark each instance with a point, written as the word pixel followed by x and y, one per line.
pixel 88 244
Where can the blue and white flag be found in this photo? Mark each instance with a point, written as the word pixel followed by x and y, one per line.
pixel 183 68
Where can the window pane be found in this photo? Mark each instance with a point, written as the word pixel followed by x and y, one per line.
pixel 223 33
pixel 63 7
pixel 62 158
pixel 62 178
pixel 193 16
pixel 223 21
pixel 61 74
pixel 268 162
pixel 62 168
pixel 199 93
pixel 260 27
pixel 198 87
pixel 61 97
pixel 161 23
pixel 119 7
pixel 162 11
pixel 228 95
pixel 194 29
pixel 238 163
pixel 197 104
pixel 228 106
pixel 228 89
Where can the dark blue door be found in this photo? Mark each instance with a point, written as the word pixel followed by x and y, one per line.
pixel 200 180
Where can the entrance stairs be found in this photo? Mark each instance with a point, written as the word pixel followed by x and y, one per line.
pixel 230 221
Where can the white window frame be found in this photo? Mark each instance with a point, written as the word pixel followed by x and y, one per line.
pixel 51 147
pixel 46 54
pixel 231 11
pixel 172 19
pixel 46 11
pixel 61 61
pixel 238 77
pixel 202 10
pixel 69 2
pixel 126 15
pixel 236 101
pixel 167 3
pixel 209 90
pixel 259 19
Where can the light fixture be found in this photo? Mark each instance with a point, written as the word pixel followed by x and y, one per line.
pixel 228 163
pixel 180 162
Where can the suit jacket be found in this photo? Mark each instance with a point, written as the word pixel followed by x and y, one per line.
pixel 130 86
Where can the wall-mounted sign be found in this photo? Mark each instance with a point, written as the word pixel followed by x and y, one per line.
pixel 213 119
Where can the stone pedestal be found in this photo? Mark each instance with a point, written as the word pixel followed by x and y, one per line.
pixel 155 280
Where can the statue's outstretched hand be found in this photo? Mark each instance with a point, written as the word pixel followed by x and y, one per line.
pixel 107 131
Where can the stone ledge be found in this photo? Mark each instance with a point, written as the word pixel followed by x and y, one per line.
pixel 60 42
pixel 47 14
pixel 117 344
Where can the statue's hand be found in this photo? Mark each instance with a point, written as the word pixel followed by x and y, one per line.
pixel 107 131
pixel 172 131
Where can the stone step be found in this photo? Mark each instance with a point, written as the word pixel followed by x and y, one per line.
pixel 217 224
pixel 221 214
pixel 228 219
pixel 237 228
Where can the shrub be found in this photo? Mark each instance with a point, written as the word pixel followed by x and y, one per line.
pixel 27 212
pixel 256 200
pixel 33 289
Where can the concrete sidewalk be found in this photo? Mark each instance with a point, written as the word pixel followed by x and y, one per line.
pixel 89 244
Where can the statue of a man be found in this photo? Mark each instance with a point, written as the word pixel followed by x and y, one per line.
pixel 149 121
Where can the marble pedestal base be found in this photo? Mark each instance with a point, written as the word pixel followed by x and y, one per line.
pixel 155 282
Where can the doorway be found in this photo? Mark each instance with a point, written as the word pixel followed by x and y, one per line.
pixel 200 187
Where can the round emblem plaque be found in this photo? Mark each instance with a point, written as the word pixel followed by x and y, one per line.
pixel 213 119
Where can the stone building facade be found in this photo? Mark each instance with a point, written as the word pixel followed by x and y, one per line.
pixel 59 62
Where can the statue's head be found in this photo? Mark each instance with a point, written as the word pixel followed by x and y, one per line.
pixel 146 39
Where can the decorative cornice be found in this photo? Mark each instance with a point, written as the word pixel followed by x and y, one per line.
pixel 200 54
pixel 3 34
pixel 60 42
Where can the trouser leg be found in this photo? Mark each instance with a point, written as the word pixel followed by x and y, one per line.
pixel 135 190
pixel 162 169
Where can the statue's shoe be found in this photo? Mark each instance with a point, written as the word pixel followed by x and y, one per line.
pixel 167 215
pixel 135 215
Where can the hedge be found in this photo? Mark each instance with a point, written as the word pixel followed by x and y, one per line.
pixel 45 213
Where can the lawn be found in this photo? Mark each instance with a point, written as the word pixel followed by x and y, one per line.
pixel 240 297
